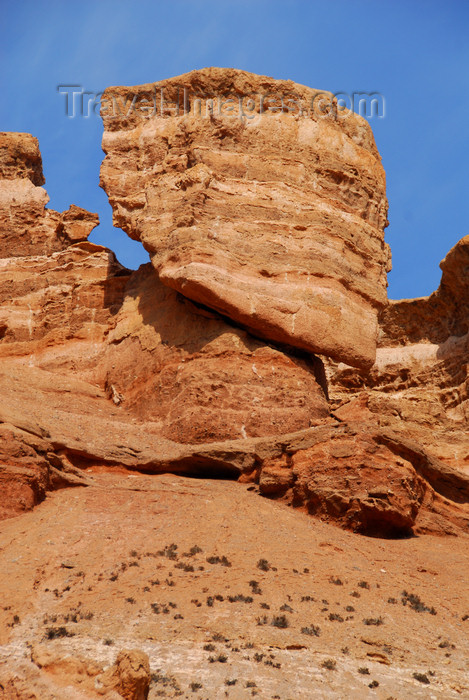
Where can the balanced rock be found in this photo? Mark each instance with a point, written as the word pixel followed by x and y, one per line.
pixel 269 208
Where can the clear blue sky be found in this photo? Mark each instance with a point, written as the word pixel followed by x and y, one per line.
pixel 414 52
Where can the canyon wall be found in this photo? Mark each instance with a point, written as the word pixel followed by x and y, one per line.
pixel 246 348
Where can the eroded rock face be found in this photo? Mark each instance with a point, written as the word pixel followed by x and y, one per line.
pixel 419 385
pixel 201 379
pixel 275 220
pixel 26 226
pixel 107 368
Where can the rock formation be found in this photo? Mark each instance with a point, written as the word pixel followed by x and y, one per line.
pixel 266 239
pixel 273 218
pixel 419 385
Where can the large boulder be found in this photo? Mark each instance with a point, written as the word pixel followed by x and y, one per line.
pixel 272 217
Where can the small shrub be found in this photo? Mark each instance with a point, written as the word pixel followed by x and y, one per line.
pixel 130 600
pixel 336 581
pixel 193 551
pixel 219 560
pixel 263 565
pixel 329 664
pixel 265 606
pixel 446 645
pixel 312 630
pixel 255 587
pixel 364 584
pixel 195 686
pixel 108 642
pixel 233 681
pixel 209 647
pixel 373 684
pixel 336 617
pixel 364 671
pixel 58 632
pixel 349 608
pixel 373 621
pixel 421 677
pixel 392 601
pixel 184 567
pixel 240 598
pixel 280 621
pixel 169 551
pixel 416 603
pixel 217 637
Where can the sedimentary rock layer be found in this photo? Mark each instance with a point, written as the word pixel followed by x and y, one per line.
pixel 419 385
pixel 274 218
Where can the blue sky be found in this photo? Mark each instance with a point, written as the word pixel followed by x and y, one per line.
pixel 414 52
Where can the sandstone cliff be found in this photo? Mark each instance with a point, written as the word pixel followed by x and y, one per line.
pixel 195 363
pixel 273 218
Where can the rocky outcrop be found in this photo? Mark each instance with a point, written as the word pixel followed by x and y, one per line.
pixel 273 218
pixel 26 226
pixel 105 368
pixel 419 385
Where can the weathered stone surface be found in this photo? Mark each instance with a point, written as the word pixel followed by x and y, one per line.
pixel 26 226
pixel 106 368
pixel 419 385
pixel 276 221
pixel 199 378
pixel 130 675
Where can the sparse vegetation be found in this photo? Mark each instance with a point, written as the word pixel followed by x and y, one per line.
pixel 421 677
pixel 169 551
pixel 58 632
pixel 255 587
pixel 335 617
pixel 240 598
pixel 280 621
pixel 263 565
pixel 312 630
pixel 193 551
pixel 184 567
pixel 219 560
pixel 416 603
pixel 329 664
pixel 446 645
pixel 221 658
pixel 373 621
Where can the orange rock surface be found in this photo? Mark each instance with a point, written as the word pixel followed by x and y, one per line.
pixel 242 354
pixel 275 219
